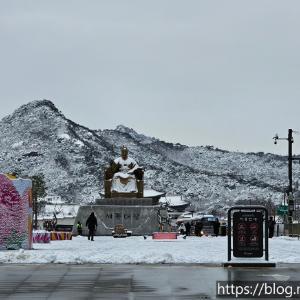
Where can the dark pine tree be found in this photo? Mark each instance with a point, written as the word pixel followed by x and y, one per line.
pixel 38 191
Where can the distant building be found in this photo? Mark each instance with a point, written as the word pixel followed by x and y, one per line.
pixel 175 202
pixel 176 205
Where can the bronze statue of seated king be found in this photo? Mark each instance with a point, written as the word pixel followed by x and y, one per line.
pixel 124 177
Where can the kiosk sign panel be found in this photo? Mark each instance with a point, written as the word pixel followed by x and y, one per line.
pixel 247 234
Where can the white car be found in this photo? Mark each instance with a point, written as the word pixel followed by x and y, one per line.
pixel 188 216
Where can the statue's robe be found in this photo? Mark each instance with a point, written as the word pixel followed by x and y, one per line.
pixel 124 180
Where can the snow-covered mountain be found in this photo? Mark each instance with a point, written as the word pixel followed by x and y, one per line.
pixel 37 138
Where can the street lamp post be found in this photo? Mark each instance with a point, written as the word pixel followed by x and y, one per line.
pixel 290 159
pixel 289 191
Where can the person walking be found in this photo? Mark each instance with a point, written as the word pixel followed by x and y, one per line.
pixel 216 226
pixel 271 226
pixel 79 228
pixel 182 228
pixel 91 223
pixel 198 228
pixel 188 228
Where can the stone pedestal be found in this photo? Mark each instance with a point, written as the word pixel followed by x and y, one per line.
pixel 139 215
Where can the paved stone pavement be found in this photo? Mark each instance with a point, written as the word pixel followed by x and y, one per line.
pixel 55 281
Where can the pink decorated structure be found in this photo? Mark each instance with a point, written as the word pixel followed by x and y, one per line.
pixel 41 236
pixel 164 235
pixel 15 213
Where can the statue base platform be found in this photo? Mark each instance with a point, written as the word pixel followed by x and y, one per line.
pixel 139 215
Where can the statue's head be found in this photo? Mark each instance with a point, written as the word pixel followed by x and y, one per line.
pixel 124 152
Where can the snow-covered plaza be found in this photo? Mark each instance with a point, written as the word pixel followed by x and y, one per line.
pixel 137 250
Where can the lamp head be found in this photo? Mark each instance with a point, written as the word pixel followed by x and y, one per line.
pixel 275 138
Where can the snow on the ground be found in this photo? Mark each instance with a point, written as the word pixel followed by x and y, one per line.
pixel 134 250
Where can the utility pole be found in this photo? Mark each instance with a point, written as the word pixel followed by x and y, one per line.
pixel 289 191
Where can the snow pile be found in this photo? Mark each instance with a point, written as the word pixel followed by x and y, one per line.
pixel 17 145
pixel 173 200
pixel 134 250
pixel 64 136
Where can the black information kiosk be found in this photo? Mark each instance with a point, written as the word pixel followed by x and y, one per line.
pixel 248 228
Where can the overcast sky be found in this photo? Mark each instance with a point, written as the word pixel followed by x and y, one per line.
pixel 222 73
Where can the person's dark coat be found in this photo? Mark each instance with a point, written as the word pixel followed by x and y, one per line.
pixel 198 228
pixel 188 228
pixel 216 227
pixel 271 225
pixel 91 222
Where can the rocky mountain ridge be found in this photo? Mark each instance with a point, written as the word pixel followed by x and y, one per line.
pixel 38 139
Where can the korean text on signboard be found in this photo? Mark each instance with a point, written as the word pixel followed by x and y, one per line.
pixel 247 234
